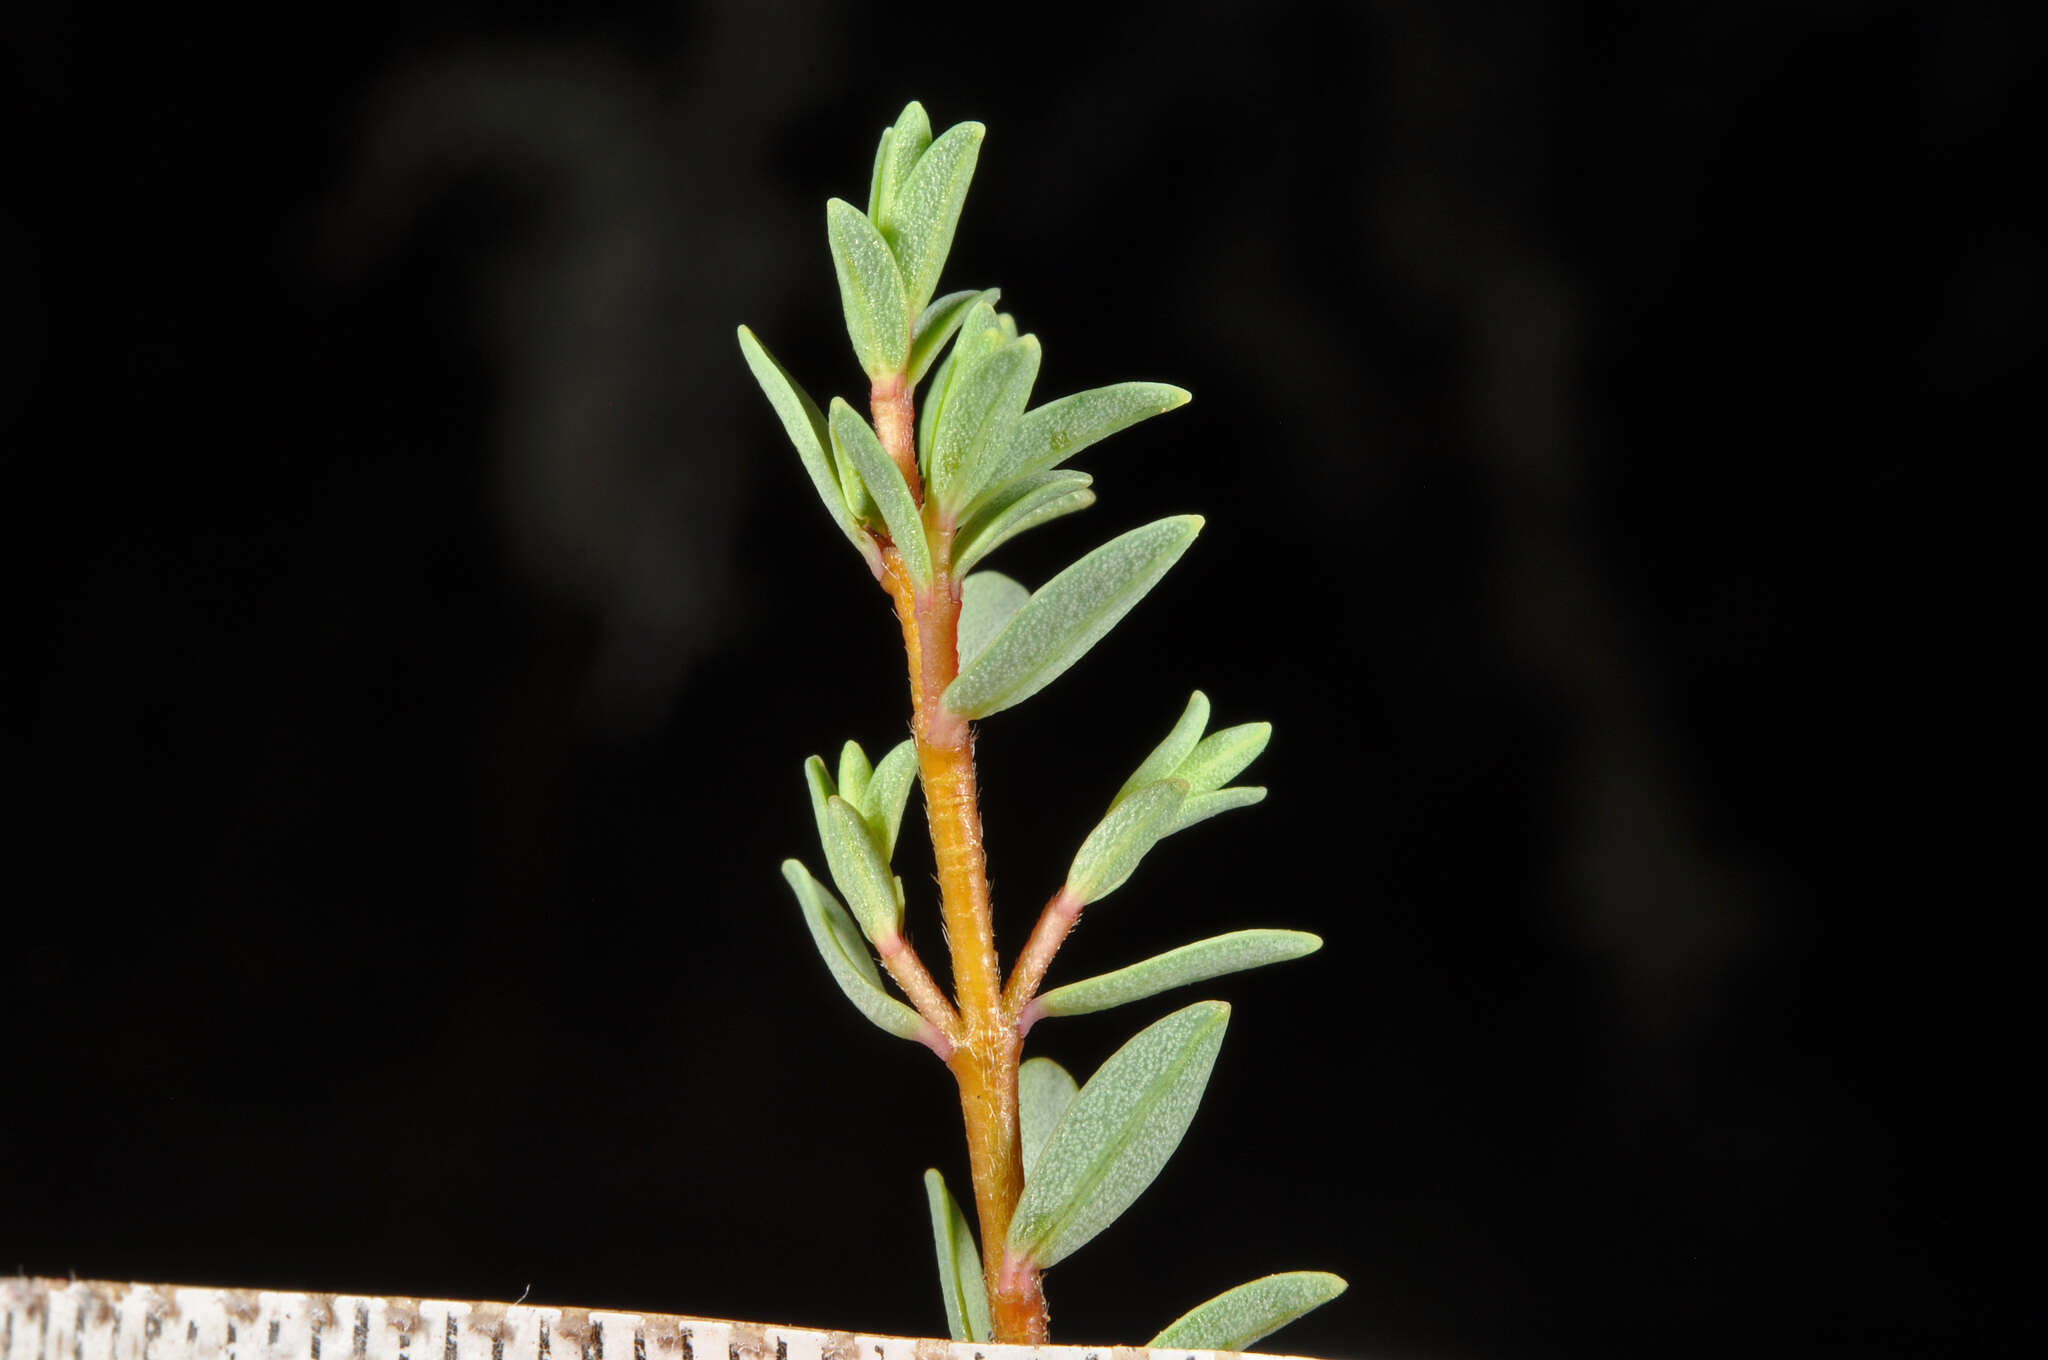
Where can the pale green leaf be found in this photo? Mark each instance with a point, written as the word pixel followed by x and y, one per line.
pixel 805 426
pixel 1056 431
pixel 1198 962
pixel 884 481
pixel 987 600
pixel 871 891
pixel 1236 1318
pixel 860 506
pixel 1026 503
pixel 981 332
pixel 1117 1134
pixel 925 210
pixel 1200 807
pixel 875 177
pixel 902 145
pixel 854 774
pixel 1044 1090
pixel 1119 841
pixel 1068 615
pixel 935 325
pixel 818 781
pixel 846 869
pixel 1167 755
pixel 888 790
pixel 1222 755
pixel 982 404
pixel 959 1263
pixel 846 955
pixel 870 290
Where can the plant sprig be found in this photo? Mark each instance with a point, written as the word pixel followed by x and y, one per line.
pixel 924 497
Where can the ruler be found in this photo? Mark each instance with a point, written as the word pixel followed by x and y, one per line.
pixel 100 1320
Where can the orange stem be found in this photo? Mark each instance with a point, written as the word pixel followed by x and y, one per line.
pixel 986 1042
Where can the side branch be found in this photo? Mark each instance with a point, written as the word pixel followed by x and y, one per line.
pixel 911 975
pixel 1055 922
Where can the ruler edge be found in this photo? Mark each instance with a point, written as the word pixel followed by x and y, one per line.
pixel 27 1297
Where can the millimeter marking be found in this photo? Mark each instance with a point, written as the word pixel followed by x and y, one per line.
pixel 43 1319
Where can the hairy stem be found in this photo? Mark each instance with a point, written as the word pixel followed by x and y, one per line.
pixel 1054 924
pixel 895 425
pixel 986 1044
pixel 930 1002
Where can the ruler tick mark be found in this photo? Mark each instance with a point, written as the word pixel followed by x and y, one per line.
pixel 689 1351
pixel 543 1341
pixel 361 1346
pixel 639 1344
pixel 448 1346
pixel 275 1324
pixel 498 1348
pixel 191 1333
pixel 596 1346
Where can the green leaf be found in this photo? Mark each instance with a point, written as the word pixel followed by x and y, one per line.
pixel 844 859
pixel 921 216
pixel 1068 615
pixel 1119 841
pixel 1058 430
pixel 1222 755
pixel 1167 755
pixel 887 792
pixel 884 481
pixel 1044 1090
pixel 959 1263
pixel 1025 503
pixel 854 774
pixel 1117 1134
pixel 805 426
pixel 818 781
pixel 981 332
pixel 935 325
pixel 902 144
pixel 1200 807
pixel 875 177
pixel 1236 1318
pixel 870 290
pixel 846 955
pixel 987 600
pixel 982 405
pixel 862 874
pixel 1198 962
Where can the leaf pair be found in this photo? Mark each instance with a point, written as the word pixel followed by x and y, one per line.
pixel 1088 1153
pixel 846 956
pixel 1048 631
pixel 845 498
pixel 864 459
pixel 858 817
pixel 990 462
pixel 1177 785
pixel 1048 435
pixel 1115 1135
pixel 975 402
pixel 888 259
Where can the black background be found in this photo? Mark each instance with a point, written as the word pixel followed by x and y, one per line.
pixel 419 621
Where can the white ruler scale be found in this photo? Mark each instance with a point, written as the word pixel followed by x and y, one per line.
pixel 99 1320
